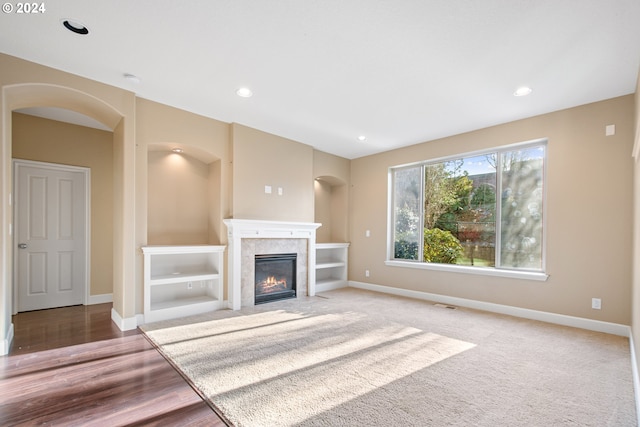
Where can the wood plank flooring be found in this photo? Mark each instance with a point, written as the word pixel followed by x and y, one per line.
pixel 73 367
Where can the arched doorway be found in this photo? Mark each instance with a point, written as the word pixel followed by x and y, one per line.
pixel 19 96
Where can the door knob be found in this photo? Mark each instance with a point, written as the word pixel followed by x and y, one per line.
pixel 22 245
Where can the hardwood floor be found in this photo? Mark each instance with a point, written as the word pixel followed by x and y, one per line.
pixel 73 367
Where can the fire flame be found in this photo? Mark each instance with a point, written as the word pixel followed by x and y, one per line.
pixel 271 284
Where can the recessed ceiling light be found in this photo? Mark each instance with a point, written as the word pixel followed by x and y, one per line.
pixel 362 138
pixel 178 150
pixel 244 92
pixel 132 78
pixel 75 27
pixel 522 91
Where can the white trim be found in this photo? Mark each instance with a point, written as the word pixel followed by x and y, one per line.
pixel 500 148
pixel 123 324
pixel 635 152
pixel 480 271
pixel 634 372
pixel 501 272
pixel 5 344
pixel 100 299
pixel 179 249
pixel 238 229
pixel 330 286
pixel 86 173
pixel 558 319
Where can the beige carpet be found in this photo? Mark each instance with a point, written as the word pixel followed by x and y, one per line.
pixel 356 358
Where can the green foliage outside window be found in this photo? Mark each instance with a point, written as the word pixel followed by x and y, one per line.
pixel 484 210
pixel 405 249
pixel 441 246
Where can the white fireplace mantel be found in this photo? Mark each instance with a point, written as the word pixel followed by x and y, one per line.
pixel 238 229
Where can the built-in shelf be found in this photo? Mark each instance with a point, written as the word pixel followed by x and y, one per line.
pixel 182 280
pixel 181 277
pixel 331 266
pixel 182 303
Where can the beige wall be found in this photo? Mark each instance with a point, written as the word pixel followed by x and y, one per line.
pixel 589 204
pixel 178 199
pixel 25 84
pixel 218 198
pixel 588 212
pixel 203 171
pixel 160 128
pixel 261 159
pixel 322 210
pixel 330 165
pixel 198 181
pixel 331 188
pixel 56 142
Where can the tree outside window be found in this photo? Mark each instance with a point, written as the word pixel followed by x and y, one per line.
pixel 407 216
pixel 483 210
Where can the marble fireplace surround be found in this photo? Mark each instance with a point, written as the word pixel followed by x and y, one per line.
pixel 247 237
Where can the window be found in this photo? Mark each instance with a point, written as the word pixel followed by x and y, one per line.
pixel 481 210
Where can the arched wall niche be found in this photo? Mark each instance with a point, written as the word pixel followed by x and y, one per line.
pixel 46 95
pixel 183 195
pixel 27 95
pixel 331 209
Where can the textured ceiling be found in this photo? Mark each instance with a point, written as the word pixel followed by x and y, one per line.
pixel 324 72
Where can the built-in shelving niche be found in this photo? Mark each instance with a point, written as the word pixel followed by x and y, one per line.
pixel 183 205
pixel 332 249
pixel 183 265
pixel 331 209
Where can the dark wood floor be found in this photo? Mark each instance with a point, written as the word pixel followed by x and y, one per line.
pixel 73 367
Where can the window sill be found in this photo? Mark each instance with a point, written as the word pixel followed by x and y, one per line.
pixel 525 275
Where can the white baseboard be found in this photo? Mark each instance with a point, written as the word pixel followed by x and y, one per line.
pixel 125 324
pixel 558 319
pixel 100 299
pixel 330 286
pixel 5 344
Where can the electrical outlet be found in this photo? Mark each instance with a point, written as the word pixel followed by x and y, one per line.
pixel 189 285
pixel 596 303
pixel 366 273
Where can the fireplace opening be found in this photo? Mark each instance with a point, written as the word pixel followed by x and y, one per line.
pixel 275 277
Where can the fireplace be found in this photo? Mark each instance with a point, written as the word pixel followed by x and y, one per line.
pixel 275 277
pixel 249 237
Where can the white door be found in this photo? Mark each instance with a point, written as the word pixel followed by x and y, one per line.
pixel 51 216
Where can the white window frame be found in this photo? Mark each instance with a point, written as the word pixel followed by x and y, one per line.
pixel 465 269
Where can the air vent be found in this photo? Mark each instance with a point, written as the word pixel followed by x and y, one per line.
pixel 451 307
